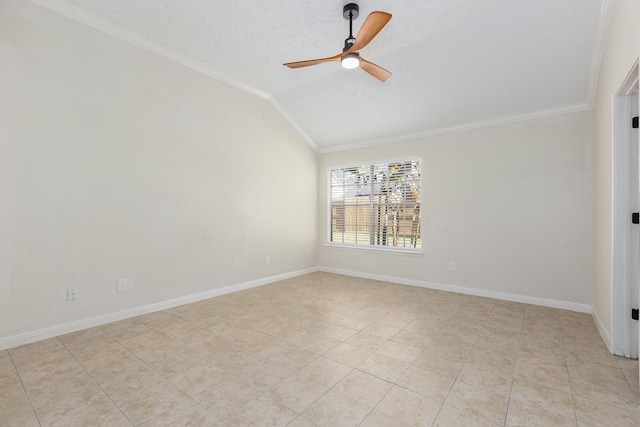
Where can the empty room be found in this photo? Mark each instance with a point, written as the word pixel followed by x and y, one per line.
pixel 304 213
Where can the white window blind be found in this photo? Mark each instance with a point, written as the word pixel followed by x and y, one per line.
pixel 376 205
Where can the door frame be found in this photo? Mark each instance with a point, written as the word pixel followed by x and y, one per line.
pixel 623 344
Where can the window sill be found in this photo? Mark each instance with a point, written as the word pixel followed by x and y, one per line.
pixel 385 249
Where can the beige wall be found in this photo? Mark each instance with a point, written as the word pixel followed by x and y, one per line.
pixel 117 163
pixel 621 49
pixel 511 204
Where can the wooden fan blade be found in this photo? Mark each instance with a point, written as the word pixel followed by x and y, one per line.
pixel 375 70
pixel 372 26
pixel 310 62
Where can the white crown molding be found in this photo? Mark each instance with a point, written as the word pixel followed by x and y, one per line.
pixel 294 124
pixel 79 15
pixel 598 50
pixel 630 85
pixel 57 330
pixel 545 302
pixel 106 27
pixel 496 121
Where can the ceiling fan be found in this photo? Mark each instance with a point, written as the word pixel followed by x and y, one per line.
pixel 350 56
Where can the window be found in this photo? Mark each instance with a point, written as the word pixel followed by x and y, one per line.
pixel 376 205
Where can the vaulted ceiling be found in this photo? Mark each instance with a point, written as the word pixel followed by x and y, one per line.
pixel 455 63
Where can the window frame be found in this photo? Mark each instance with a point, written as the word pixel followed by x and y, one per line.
pixel 372 248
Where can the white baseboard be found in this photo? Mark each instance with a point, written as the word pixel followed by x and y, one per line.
pixel 565 305
pixel 54 331
pixel 604 333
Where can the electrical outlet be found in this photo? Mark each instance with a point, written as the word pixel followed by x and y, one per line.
pixel 267 260
pixel 122 285
pixel 453 266
pixel 72 294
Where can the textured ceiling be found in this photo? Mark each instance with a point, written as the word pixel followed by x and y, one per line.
pixel 454 62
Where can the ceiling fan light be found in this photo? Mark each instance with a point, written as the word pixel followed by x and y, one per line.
pixel 351 60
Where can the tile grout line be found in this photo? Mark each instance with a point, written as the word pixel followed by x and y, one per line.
pixel 24 389
pixel 189 397
pixel 515 365
pixel 96 382
pixel 564 353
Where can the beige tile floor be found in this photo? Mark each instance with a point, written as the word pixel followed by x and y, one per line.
pixel 326 350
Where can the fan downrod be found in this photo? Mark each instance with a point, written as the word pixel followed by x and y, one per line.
pixel 350 12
